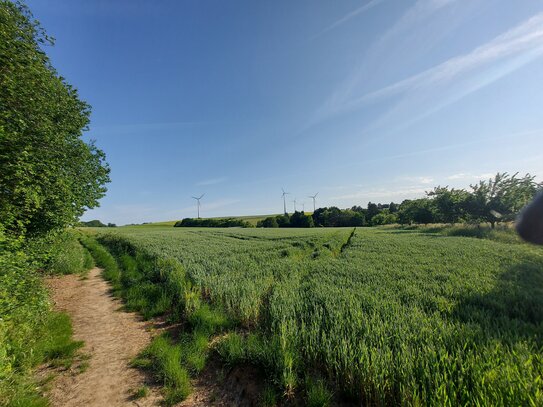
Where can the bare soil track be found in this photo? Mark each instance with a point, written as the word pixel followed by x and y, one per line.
pixel 112 339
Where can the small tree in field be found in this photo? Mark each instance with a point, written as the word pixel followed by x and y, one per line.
pixel 269 222
pixel 416 211
pixel 449 204
pixel 500 198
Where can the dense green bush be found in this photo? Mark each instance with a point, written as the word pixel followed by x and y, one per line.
pixel 335 217
pixel 297 220
pixel 30 333
pixel 213 223
pixel 269 222
pixel 67 256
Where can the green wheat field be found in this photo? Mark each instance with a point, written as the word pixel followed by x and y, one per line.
pixel 382 316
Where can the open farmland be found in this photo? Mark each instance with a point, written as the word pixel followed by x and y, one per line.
pixel 384 316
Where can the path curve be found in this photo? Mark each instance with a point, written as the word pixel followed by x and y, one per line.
pixel 112 338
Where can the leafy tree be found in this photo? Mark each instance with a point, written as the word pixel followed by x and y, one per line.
pixel 94 224
pixel 384 218
pixel 416 211
pixel 500 198
pixel 49 175
pixel 335 217
pixel 450 204
pixel 373 210
pixel 213 223
pixel 269 222
pixel 283 221
pixel 301 220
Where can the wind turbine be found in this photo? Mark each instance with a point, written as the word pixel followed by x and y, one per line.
pixel 313 197
pixel 303 207
pixel 284 201
pixel 294 204
pixel 198 199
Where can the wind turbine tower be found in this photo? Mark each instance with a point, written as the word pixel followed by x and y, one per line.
pixel 284 201
pixel 198 205
pixel 313 197
pixel 294 204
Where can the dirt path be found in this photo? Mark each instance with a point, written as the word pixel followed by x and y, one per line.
pixel 112 339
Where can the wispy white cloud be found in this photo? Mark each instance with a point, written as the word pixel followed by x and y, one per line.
pixel 421 179
pixel 468 176
pixel 351 15
pixel 416 97
pixel 391 45
pixel 527 38
pixel 212 181
pixel 382 194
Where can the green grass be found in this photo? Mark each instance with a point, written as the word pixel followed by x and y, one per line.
pixel 317 394
pixel 31 334
pixel 164 359
pixel 388 316
pixel 140 393
pixel 68 256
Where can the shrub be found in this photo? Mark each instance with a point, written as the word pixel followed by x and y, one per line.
pixel 269 222
pixel 67 256
pixel 213 223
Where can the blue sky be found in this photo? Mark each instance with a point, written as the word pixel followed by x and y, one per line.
pixel 359 100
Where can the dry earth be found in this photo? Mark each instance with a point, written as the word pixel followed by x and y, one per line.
pixel 112 339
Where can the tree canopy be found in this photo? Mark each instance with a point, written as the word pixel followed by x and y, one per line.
pixel 49 176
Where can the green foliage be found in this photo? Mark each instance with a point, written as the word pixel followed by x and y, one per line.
pixel 501 198
pixel 335 217
pixel 232 349
pixel 317 393
pixel 269 222
pixel 164 359
pixel 416 211
pixel 496 200
pixel 49 174
pixel 384 218
pixel 301 220
pixel 269 397
pixel 297 220
pixel 93 224
pixel 140 393
pixel 283 221
pixel 30 334
pixel 104 260
pixel 214 223
pixel 67 256
pixel 450 204
pixel 413 316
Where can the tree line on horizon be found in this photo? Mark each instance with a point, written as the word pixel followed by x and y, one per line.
pixel 492 201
